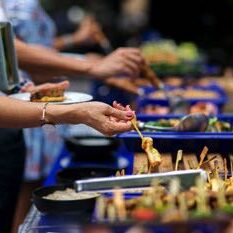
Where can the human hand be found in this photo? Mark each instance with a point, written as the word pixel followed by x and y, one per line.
pixel 89 32
pixel 123 61
pixel 31 87
pixel 104 118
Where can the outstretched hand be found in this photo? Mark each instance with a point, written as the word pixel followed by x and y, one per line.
pixel 104 118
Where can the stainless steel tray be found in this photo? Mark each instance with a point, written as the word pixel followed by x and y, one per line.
pixel 187 179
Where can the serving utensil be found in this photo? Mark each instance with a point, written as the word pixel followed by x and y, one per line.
pixel 197 122
pixel 177 104
pixel 187 178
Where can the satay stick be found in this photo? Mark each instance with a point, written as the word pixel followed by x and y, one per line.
pixel 225 169
pixel 151 151
pixel 208 160
pixel 178 158
pixel 111 213
pixel 118 173
pixel 100 208
pixel 231 163
pixel 183 205
pixel 174 188
pixel 190 161
pixel 119 204
pixel 202 156
pixel 122 172
pixel 219 159
pixel 134 123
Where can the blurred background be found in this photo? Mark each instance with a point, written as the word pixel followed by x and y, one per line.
pixel 128 22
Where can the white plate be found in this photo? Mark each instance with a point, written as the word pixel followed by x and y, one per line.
pixel 71 97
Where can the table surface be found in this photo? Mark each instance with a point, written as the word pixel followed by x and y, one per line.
pixel 36 222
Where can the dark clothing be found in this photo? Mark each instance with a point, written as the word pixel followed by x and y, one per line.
pixel 12 155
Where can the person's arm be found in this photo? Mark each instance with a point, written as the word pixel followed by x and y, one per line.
pixel 124 61
pixel 102 117
pixel 88 33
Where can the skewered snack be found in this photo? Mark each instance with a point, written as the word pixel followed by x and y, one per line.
pixel 48 95
pixel 154 157
pixel 169 205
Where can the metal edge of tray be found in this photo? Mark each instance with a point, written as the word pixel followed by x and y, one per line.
pixel 187 178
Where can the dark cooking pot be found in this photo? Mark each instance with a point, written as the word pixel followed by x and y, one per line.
pixel 84 207
pixel 93 149
pixel 69 175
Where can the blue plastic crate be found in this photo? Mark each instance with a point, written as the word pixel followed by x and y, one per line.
pixel 145 100
pixel 189 141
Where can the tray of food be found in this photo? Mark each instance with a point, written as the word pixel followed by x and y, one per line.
pixel 168 58
pixel 164 127
pixel 198 98
pixel 208 198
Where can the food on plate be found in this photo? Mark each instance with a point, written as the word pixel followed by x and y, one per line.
pixel 48 95
pixel 214 124
pixel 69 195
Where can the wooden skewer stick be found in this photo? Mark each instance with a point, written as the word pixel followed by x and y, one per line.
pixel 225 169
pixel 202 156
pixel 231 163
pixel 134 123
pixel 178 158
pixel 208 160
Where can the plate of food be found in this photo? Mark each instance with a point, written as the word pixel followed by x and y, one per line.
pixel 54 96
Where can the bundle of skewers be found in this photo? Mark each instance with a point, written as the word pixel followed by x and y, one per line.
pixel 165 204
pixel 160 203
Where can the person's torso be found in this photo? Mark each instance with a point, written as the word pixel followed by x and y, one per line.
pixel 30 22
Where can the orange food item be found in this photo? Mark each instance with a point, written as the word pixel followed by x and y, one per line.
pixel 144 214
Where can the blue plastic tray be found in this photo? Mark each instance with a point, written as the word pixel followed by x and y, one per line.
pixel 173 141
pixel 142 101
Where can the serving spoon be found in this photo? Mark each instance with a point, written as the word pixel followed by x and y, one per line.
pixel 197 122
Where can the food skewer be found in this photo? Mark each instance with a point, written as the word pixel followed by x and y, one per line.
pixel 178 158
pixel 208 160
pixel 219 160
pixel 190 161
pixel 134 123
pixel 202 156
pixel 119 203
pixel 231 164
pixel 225 169
pixel 153 155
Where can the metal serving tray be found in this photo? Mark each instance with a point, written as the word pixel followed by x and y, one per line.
pixel 186 177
